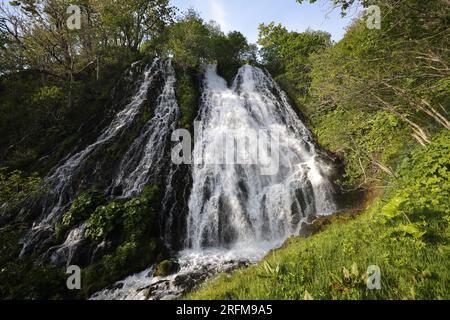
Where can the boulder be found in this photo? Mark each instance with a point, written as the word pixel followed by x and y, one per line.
pixel 166 268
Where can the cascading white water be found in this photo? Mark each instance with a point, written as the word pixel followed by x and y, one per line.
pixel 60 180
pixel 235 205
pixel 145 158
pixel 146 155
pixel 236 213
pixel 64 253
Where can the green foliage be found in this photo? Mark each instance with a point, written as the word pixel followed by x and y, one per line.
pixel 230 52
pixel 389 69
pixel 191 41
pixel 187 97
pixel 133 216
pixel 141 214
pixel 128 258
pixel 131 22
pixel 187 41
pixel 81 208
pixel 49 100
pixel 103 221
pixel 421 206
pixel 360 138
pixel 344 4
pixel 23 279
pixel 15 187
pixel 136 219
pixel 286 55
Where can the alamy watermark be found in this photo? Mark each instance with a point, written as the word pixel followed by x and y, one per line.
pixel 373 277
pixel 74 280
pixel 373 17
pixel 74 20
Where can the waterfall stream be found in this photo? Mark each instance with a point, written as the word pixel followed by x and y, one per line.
pixel 237 211
pixel 257 177
pixel 134 172
pixel 235 205
pixel 145 157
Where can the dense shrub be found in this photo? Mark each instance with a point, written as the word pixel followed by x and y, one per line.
pixel 15 187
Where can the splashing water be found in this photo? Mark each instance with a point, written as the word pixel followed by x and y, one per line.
pixel 235 205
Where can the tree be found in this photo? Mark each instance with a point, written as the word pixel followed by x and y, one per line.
pixel 230 52
pixel 187 41
pixel 286 54
pixel 128 23
pixel 403 68
pixel 344 4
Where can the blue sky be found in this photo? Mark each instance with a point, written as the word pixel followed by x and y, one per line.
pixel 246 15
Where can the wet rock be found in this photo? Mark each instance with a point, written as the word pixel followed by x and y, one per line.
pixel 102 249
pixel 184 280
pixel 42 238
pixel 317 225
pixel 232 265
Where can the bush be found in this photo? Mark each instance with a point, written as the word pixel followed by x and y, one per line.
pixel 135 220
pixel 187 96
pixel 103 221
pixel 360 138
pixel 16 187
pixel 420 207
pixel 81 208
pixel 128 258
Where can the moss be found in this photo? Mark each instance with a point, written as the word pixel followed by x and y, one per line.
pixel 187 91
pixel 166 268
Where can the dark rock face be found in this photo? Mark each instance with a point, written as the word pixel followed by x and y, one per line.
pixel 105 247
pixel 175 207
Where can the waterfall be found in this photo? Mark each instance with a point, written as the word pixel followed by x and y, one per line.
pixel 63 181
pixel 147 156
pixel 237 209
pixel 235 205
pixel 257 176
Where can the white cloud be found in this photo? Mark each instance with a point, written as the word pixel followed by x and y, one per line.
pixel 218 13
